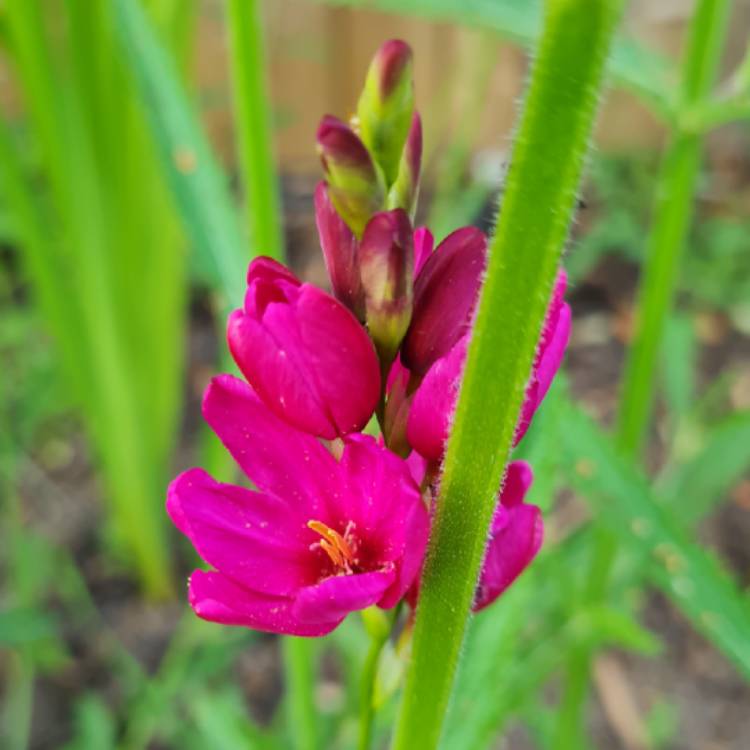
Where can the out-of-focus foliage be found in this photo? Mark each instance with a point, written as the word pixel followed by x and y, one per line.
pixel 716 271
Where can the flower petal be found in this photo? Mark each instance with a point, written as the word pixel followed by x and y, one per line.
pixel 552 344
pixel 272 357
pixel 341 358
pixel 259 540
pixel 434 402
pixel 445 293
pixel 333 598
pixel 340 252
pixel 515 537
pixel 518 479
pixel 217 598
pixel 277 458
pixel 423 245
pixel 384 503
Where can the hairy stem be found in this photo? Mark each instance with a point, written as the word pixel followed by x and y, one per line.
pixel 544 174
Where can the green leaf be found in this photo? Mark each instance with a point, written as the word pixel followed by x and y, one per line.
pixel 196 180
pixel 689 575
pixel 524 255
pixel 20 626
pixel 95 726
pixel 252 106
pixel 694 486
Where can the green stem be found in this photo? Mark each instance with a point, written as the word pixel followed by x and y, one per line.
pixel 253 128
pixel 714 114
pixel 524 256
pixel 672 217
pixel 367 690
pixel 379 625
pixel 299 668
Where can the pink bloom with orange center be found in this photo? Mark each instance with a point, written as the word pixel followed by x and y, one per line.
pixel 321 536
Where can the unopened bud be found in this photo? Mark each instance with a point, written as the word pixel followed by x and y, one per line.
pixel 405 190
pixel 445 294
pixel 386 104
pixel 340 252
pixel 386 256
pixel 355 184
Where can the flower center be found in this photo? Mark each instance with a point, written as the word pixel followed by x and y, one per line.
pixel 339 548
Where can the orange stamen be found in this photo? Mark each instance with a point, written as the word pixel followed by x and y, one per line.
pixel 334 545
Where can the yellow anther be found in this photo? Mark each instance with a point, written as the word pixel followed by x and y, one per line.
pixel 334 545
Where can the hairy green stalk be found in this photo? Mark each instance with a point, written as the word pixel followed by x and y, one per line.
pixel 252 118
pixel 544 174
pixel 672 217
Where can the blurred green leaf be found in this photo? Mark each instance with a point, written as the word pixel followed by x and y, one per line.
pixel 723 457
pixel 197 183
pixel 222 722
pixel 22 625
pixel 662 724
pixel 647 73
pixel 688 574
pixel 94 725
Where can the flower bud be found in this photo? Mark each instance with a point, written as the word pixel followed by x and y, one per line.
pixel 355 183
pixel 386 104
pixel 445 293
pixel 340 252
pixel 405 190
pixel 386 257
pixel 304 353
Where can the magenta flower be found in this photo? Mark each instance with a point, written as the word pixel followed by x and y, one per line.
pixel 445 293
pixel 516 535
pixel 434 401
pixel 304 353
pixel 319 539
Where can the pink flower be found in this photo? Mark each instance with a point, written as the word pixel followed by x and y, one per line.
pixel 516 535
pixel 445 293
pixel 304 353
pixel 319 539
pixel 434 401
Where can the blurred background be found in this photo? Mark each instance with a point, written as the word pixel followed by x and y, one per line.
pixel 121 246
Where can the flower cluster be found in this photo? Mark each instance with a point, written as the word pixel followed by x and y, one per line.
pixel 338 520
